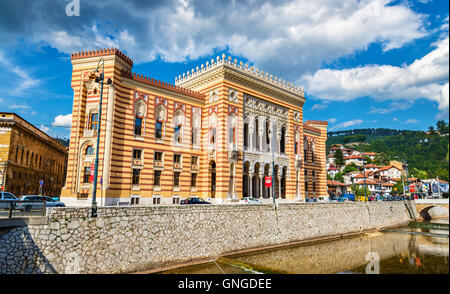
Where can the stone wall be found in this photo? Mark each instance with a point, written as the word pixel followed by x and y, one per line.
pixel 129 239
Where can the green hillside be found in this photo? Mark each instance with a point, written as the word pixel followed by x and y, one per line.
pixel 425 152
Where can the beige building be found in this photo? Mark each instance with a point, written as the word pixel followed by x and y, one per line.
pixel 27 156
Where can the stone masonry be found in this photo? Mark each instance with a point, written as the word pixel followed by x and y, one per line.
pixel 130 239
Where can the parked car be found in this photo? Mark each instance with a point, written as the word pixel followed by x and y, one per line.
pixel 249 200
pixel 346 197
pixel 30 202
pixel 323 199
pixel 194 200
pixel 6 196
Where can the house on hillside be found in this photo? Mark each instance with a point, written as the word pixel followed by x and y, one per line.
pixel 389 171
pixel 356 159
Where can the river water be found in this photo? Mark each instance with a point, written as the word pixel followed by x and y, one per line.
pixel 421 248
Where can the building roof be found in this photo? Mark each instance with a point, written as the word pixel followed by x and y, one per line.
pixel 372 166
pixel 353 157
pixel 368 182
pixel 361 175
pixel 387 167
pixel 335 183
pixel 10 118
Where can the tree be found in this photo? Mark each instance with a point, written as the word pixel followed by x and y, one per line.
pixel 442 127
pixel 421 174
pixel 398 188
pixel 339 177
pixel 431 129
pixel 358 191
pixel 339 158
pixel 349 168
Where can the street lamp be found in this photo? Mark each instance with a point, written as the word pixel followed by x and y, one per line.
pixel 100 80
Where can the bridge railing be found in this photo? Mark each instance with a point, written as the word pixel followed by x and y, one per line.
pixel 430 201
pixel 18 208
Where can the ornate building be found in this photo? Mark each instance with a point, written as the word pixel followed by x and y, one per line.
pixel 215 134
pixel 27 156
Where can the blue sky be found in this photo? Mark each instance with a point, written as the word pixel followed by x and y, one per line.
pixel 363 64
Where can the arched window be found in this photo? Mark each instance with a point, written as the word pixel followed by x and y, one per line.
pixel 160 115
pixel 140 111
pixel 256 134
pixel 196 126
pixel 232 123
pixel 296 142
pixel 212 129
pixel 89 150
pixel 283 140
pixel 245 135
pixel 93 121
pixel 178 126
pixel 138 126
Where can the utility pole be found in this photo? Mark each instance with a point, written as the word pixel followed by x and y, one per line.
pixel 98 79
pixel 364 174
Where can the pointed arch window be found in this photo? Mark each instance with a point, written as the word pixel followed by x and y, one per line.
pixel 89 150
pixel 160 121
pixel 212 130
pixel 296 142
pixel 93 121
pixel 283 140
pixel 178 126
pixel 196 126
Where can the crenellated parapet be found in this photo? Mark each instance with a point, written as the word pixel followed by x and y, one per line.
pixel 102 52
pixel 161 84
pixel 318 122
pixel 239 66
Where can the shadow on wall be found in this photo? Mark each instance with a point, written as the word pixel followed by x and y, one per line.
pixel 432 212
pixel 19 254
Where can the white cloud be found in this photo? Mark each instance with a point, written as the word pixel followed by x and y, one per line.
pixel 19 106
pixel 286 38
pixel 424 78
pixel 392 107
pixel 332 120
pixel 25 80
pixel 412 121
pixel 319 106
pixel 63 120
pixel 346 124
pixel 44 128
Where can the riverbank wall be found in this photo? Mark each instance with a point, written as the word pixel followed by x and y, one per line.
pixel 142 238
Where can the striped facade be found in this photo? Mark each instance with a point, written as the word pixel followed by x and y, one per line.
pixel 160 142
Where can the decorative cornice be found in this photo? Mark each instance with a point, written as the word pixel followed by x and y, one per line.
pixel 252 75
pixel 102 52
pixel 161 84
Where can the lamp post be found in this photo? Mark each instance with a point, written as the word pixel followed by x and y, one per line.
pixel 99 79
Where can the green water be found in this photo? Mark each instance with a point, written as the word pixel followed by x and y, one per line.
pixel 404 250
